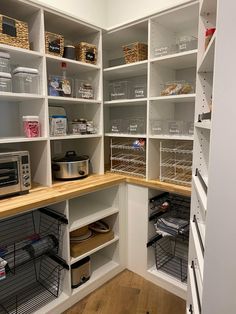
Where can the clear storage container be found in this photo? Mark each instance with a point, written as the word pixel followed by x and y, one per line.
pixel 186 43
pixel 117 126
pixel 5 82
pixel 5 62
pixel 31 126
pixel 84 89
pixel 176 88
pixel 158 127
pixel 136 125
pixel 175 127
pixel 59 86
pixel 188 128
pixel 139 91
pixel 26 80
pixel 78 126
pixel 119 90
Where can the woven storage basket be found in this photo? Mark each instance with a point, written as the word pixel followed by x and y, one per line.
pixel 86 53
pixel 135 52
pixel 14 32
pixel 54 44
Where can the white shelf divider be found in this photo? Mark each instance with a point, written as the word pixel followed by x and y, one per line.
pixel 172 137
pixel 126 70
pixel 68 100
pixel 72 136
pixel 125 102
pixel 175 98
pixel 126 135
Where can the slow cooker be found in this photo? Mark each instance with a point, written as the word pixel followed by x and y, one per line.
pixel 71 166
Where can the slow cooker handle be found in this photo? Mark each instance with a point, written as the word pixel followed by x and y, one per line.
pixel 70 153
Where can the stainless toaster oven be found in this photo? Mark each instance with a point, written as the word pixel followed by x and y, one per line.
pixel 15 176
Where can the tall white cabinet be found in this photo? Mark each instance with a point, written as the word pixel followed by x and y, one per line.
pixel 211 282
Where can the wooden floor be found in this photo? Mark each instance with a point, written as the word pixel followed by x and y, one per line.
pixel 129 293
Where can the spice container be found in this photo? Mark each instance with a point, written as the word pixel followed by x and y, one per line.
pixel 5 82
pixel 31 126
pixel 5 62
pixel 58 125
pixel 83 89
pixel 208 36
pixel 26 80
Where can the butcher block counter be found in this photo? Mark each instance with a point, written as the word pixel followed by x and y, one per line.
pixel 62 190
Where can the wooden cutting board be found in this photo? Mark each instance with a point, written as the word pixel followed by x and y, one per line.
pixel 77 249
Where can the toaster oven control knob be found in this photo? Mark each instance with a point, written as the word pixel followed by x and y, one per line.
pixel 26 184
pixel 26 177
pixel 81 172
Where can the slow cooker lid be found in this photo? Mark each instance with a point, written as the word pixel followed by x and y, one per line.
pixel 71 156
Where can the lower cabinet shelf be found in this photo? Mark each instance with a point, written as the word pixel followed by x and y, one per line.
pixel 100 266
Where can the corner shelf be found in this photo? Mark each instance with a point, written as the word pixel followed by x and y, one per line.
pixel 206 124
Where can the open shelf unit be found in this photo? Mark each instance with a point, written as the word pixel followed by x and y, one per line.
pixel 174 112
pixel 15 105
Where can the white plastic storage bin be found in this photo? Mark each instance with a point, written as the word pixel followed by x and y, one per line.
pixel 175 127
pixel 119 90
pixel 5 82
pixel 158 127
pixel 5 62
pixel 186 43
pixel 136 125
pixel 26 80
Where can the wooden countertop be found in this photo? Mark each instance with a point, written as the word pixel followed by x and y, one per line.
pixel 60 191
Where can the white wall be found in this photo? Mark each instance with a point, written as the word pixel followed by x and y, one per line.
pixel 124 11
pixel 91 11
pixel 110 13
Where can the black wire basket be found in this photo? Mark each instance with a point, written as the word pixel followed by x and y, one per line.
pixel 30 247
pixel 170 215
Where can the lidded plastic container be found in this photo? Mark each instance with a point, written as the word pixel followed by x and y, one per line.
pixel 5 82
pixel 5 62
pixel 58 125
pixel 31 126
pixel 26 80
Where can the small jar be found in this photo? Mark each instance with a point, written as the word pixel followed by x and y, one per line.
pixel 208 36
pixel 90 128
pixel 5 82
pixel 58 125
pixel 31 126
pixel 5 62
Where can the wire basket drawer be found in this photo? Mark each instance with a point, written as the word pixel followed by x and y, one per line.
pixel 32 287
pixel 171 256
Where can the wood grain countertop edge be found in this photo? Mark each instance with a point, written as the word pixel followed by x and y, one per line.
pixel 61 191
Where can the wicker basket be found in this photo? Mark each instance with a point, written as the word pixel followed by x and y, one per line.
pixel 54 44
pixel 14 32
pixel 86 53
pixel 135 52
